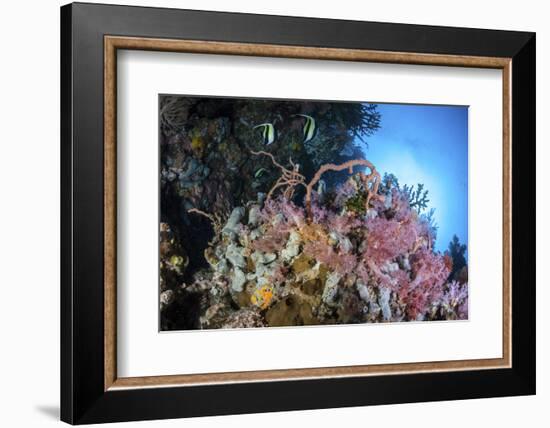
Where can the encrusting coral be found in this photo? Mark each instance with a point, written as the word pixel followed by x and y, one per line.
pixel 357 253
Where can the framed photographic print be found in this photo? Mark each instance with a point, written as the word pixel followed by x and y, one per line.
pixel 274 213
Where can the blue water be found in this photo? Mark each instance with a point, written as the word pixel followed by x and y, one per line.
pixel 428 144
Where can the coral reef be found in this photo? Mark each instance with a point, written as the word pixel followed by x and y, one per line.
pixel 303 233
pixel 276 263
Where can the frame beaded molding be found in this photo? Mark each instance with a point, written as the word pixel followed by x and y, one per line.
pixel 114 43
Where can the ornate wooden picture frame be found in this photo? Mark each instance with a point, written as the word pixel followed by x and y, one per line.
pixel 91 389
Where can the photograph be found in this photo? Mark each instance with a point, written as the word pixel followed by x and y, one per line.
pixel 288 212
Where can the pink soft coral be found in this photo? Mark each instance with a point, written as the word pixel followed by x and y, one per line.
pixel 455 299
pixel 324 253
pixel 343 193
pixel 429 272
pixel 400 205
pixel 334 222
pixel 344 223
pixel 284 210
pixel 387 239
pixel 279 217
pixel 272 241
pixel 389 247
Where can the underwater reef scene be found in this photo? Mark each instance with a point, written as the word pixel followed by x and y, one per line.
pixel 272 214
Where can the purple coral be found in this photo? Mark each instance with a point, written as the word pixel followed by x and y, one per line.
pixel 324 252
pixel 386 239
pixel 429 272
pixel 455 299
pixel 279 216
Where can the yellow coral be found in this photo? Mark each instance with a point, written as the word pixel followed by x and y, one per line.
pixel 313 232
pixel 176 260
pixel 262 296
pixel 197 143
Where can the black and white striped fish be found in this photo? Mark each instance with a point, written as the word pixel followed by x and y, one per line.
pixel 268 132
pixel 310 128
